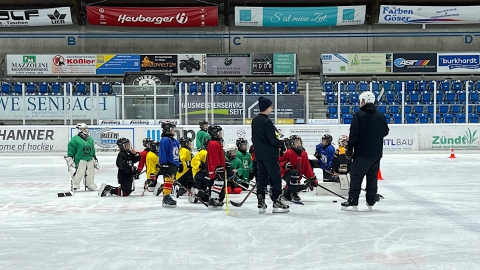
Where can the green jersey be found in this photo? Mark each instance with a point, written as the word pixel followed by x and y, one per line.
pixel 246 166
pixel 201 136
pixel 81 149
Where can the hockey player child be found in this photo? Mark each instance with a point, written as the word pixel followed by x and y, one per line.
pixel 340 164
pixel 233 165
pixel 202 134
pixel 243 173
pixel 324 152
pixel 82 151
pixel 293 164
pixel 216 167
pixel 184 174
pixel 168 155
pixel 151 161
pixel 200 175
pixel 143 157
pixel 126 170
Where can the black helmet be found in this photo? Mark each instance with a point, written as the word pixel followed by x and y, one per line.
pixel 240 142
pixel 202 123
pixel 167 127
pixel 146 142
pixel 185 142
pixel 215 132
pixel 292 140
pixel 122 142
pixel 328 138
pixel 153 147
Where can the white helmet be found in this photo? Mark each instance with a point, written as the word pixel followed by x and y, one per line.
pixel 367 97
pixel 81 127
pixel 230 147
pixel 83 130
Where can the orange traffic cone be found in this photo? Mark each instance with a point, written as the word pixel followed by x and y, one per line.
pixel 379 175
pixel 452 154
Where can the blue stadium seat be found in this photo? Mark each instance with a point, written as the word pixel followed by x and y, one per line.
pixel 267 88
pixel 354 97
pixel 81 88
pixel 440 96
pixel 426 96
pixel 280 87
pixel 347 118
pixel 330 97
pixel 345 109
pixel 17 88
pixel 255 88
pixel 240 88
pixel 394 108
pixel 388 118
pixel 409 86
pixel 351 86
pixel 430 107
pixel 332 109
pixel 292 87
pixel 462 96
pixel 387 86
pixel 6 88
pixel 410 118
pixel 30 88
pixel 455 108
pixel 230 87
pixel 450 96
pixel 445 85
pixel 422 85
pixel 473 117
pixel 399 96
pixel 343 97
pixel 460 118
pixel 414 96
pixel 471 85
pixel 43 88
pixel 408 108
pixel 457 85
pixel 381 107
pixel 340 85
pixel 193 88
pixel 218 88
pixel 439 118
pixel 333 116
pixel 57 88
pixel 106 88
pixel 443 107
pixel 473 96
pixel 363 86
pixel 472 108
pixel 327 86
pixel 448 118
pixel 375 86
pixel 397 118
pixel 397 85
pixel 431 85
pixel 418 107
pixel 203 85
pixel 390 96
pixel 355 108
pixel 423 118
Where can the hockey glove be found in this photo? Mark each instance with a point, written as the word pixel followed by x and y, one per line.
pixel 163 169
pixel 220 172
pixel 70 163
pixel 136 174
pixel 180 167
pixel 317 155
pixel 312 183
pixel 288 166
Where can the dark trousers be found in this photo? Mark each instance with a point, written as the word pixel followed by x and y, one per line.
pixel 125 188
pixel 269 168
pixel 363 167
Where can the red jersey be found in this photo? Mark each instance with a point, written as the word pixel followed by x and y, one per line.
pixel 215 157
pixel 143 159
pixel 298 162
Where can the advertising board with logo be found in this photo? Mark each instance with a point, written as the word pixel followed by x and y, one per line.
pixel 105 138
pixel 262 63
pixel 142 79
pixel 159 63
pixel 228 64
pixel 35 17
pixel 401 138
pixel 456 138
pixel 429 14
pixel 74 64
pixel 273 63
pixel 32 139
pixel 370 63
pixel 54 107
pixel 152 16
pixel 458 63
pixel 333 63
pixel 192 64
pixel 414 62
pixel 23 64
pixel 299 16
pixel 117 64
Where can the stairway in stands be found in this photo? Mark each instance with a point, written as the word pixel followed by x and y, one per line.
pixel 317 97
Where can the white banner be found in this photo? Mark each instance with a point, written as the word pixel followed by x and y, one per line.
pixel 74 64
pixel 458 62
pixel 51 64
pixel 105 138
pixel 18 64
pixel 429 14
pixel 55 107
pixel 33 139
pixel 335 63
pixel 35 17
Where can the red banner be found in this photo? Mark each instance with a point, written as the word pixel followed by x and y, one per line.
pixel 153 17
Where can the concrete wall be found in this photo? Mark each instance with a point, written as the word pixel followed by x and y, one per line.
pixel 309 44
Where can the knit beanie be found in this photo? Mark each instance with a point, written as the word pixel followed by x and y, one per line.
pixel 264 103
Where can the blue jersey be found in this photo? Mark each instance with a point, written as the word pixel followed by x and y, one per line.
pixel 168 151
pixel 326 156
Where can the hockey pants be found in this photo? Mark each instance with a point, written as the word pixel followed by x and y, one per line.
pixel 85 169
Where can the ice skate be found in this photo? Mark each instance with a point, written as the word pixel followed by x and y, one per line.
pixel 346 206
pixel 215 204
pixel 168 202
pixel 370 207
pixel 295 197
pixel 180 192
pixel 104 190
pixel 158 191
pixel 261 203
pixel 279 207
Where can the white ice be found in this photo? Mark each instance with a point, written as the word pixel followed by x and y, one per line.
pixel 429 220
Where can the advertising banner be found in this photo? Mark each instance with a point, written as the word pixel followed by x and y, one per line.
pixel 401 138
pixel 117 64
pixel 299 16
pixel 18 64
pixel 105 138
pixel 429 14
pixel 159 63
pixel 231 107
pixel 458 63
pixel 35 17
pixel 74 64
pixel 32 139
pixel 228 64
pixel 445 137
pixel 333 63
pixel 152 16
pixel 273 63
pixel 414 62
pixel 359 63
pixel 54 107
pixel 262 63
pixel 142 79
pixel 192 64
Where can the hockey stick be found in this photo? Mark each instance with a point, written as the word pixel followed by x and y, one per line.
pixel 246 197
pixel 70 162
pixel 229 213
pixel 378 196
pixel 198 198
pixel 332 192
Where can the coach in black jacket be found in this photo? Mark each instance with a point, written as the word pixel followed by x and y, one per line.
pixel 365 145
pixel 266 145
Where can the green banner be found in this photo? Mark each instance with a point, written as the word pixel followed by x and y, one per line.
pixel 374 63
pixel 284 64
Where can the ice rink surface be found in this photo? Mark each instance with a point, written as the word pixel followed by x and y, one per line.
pixel 429 220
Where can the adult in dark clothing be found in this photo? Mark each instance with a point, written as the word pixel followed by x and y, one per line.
pixel 365 146
pixel 266 154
